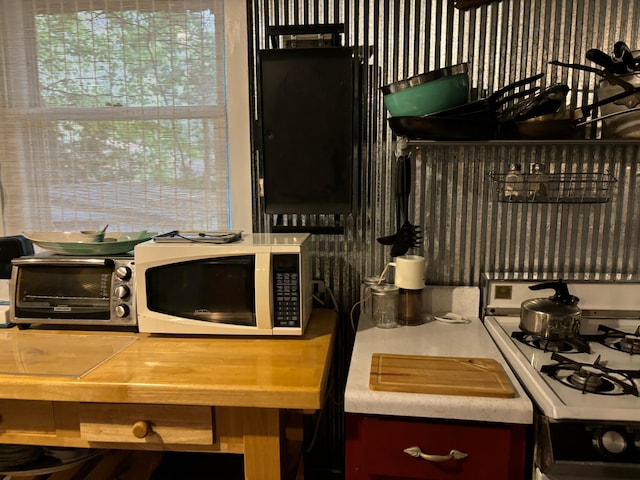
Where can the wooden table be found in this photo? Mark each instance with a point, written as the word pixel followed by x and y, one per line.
pixel 203 394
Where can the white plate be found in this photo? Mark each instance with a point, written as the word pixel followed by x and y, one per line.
pixel 75 243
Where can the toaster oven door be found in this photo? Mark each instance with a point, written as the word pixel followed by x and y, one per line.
pixel 61 291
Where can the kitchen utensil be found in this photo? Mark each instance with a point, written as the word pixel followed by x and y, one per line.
pixel 399 194
pixel 428 92
pixel 467 4
pixel 409 272
pixel 95 235
pixel 602 59
pixel 611 78
pixel 409 235
pixel 391 239
pixel 75 243
pixel 623 57
pixel 478 377
pixel 553 318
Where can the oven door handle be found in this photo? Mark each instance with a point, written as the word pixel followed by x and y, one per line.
pixel 93 262
pixel 453 455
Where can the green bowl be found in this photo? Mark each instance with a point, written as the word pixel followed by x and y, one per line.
pixel 428 92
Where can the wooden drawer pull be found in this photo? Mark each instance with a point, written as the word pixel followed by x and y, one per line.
pixel 142 429
pixel 453 455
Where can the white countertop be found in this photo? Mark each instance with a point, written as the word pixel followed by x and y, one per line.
pixel 434 339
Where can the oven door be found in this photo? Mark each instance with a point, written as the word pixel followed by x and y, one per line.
pixel 568 450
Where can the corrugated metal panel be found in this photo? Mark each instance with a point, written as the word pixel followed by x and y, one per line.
pixel 466 231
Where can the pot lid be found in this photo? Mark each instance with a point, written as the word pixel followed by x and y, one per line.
pixel 562 295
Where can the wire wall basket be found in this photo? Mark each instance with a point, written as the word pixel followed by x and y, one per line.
pixel 553 187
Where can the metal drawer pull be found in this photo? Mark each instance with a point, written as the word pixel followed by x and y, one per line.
pixel 453 455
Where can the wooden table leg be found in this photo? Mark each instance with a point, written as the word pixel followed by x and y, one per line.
pixel 262 444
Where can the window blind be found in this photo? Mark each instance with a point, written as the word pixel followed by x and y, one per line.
pixel 113 112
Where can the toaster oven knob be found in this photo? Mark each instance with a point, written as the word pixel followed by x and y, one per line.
pixel 122 310
pixel 123 273
pixel 122 291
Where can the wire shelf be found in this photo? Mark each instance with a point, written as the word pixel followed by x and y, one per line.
pixel 553 188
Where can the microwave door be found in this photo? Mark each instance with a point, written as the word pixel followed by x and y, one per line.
pixel 218 290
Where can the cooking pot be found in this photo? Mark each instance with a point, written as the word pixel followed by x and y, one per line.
pixel 428 92
pixel 625 126
pixel 553 318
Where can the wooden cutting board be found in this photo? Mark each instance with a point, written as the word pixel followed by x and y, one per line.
pixel 479 377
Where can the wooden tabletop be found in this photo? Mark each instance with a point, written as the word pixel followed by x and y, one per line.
pixel 269 372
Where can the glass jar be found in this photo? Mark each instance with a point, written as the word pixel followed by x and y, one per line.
pixel 365 296
pixel 384 305
pixel 410 307
pixel 513 182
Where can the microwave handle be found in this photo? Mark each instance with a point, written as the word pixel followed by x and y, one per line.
pixel 71 262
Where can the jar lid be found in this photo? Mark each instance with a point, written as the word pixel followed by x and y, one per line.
pixel 373 280
pixel 384 289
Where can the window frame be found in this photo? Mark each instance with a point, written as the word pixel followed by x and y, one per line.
pixel 16 27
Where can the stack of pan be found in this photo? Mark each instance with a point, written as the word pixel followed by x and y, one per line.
pixel 476 120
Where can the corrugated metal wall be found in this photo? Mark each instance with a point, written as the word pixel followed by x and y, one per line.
pixel 467 232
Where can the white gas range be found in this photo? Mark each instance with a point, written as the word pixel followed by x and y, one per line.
pixel 586 389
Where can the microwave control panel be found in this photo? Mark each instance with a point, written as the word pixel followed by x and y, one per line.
pixel 286 282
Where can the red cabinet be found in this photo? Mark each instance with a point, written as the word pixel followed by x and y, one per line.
pixel 375 449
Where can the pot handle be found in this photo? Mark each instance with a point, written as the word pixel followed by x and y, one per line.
pixel 562 292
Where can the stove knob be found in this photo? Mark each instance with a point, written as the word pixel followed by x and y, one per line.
pixel 636 439
pixel 122 310
pixel 610 441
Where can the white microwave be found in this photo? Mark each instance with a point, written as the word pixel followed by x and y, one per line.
pixel 260 284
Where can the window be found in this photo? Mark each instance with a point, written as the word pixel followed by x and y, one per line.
pixel 131 113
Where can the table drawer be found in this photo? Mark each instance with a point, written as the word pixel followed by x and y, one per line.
pixel 26 417
pixel 151 424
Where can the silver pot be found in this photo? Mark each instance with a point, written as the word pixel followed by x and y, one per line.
pixel 554 318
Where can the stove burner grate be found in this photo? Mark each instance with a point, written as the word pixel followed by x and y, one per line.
pixel 619 340
pixel 592 378
pixel 564 345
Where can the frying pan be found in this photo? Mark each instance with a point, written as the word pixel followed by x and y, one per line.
pixel 435 127
pixel 567 123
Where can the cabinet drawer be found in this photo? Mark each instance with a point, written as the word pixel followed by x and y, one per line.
pixel 151 424
pixel 489 448
pixel 26 417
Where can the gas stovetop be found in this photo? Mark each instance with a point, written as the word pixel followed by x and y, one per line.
pixel 595 376
pixel 587 417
